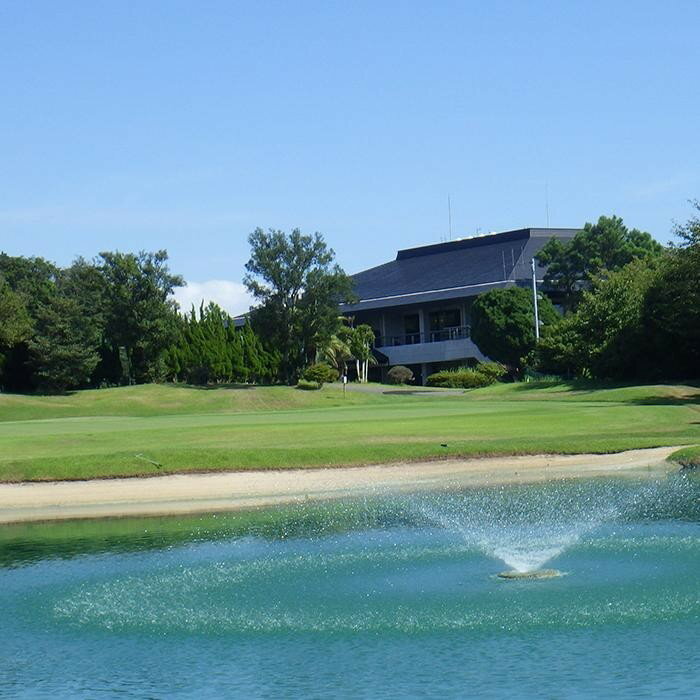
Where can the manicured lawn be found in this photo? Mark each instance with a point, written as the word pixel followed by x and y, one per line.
pixel 688 457
pixel 116 432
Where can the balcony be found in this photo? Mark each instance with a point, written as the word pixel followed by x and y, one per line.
pixel 445 345
pixel 455 333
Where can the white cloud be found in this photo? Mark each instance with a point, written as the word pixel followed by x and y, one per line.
pixel 231 296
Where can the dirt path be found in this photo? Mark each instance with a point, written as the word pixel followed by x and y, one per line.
pixel 190 493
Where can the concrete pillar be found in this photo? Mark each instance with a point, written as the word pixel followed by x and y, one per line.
pixel 421 326
pixel 424 372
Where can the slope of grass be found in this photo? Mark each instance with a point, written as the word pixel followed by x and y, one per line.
pixel 688 457
pixel 162 429
pixel 171 399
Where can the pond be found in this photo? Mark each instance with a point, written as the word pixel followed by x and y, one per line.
pixel 384 595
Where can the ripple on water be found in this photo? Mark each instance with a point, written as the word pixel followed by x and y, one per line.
pixel 309 592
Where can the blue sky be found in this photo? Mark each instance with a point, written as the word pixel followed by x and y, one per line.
pixel 184 125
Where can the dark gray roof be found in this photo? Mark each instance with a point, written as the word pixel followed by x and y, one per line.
pixel 455 269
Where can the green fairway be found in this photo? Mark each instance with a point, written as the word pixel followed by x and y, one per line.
pixel 165 428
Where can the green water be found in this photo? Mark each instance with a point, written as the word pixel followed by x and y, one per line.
pixel 384 596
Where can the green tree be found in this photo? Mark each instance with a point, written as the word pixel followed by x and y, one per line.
pixel 15 323
pixel 361 344
pixel 298 289
pixel 33 280
pixel 599 248
pixel 336 350
pixel 502 324
pixel 606 338
pixel 63 347
pixel 210 349
pixel 140 322
pixel 671 316
pixel 689 232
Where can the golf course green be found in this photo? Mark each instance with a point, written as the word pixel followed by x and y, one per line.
pixel 160 429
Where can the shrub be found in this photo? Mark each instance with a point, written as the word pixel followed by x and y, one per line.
pixel 320 373
pixel 492 370
pixel 462 378
pixel 400 375
pixel 308 386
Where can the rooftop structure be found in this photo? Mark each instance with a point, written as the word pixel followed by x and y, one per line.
pixel 464 267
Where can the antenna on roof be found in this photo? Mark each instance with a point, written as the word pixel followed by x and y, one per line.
pixel 546 200
pixel 449 217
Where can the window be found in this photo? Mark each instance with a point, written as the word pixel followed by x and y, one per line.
pixel 448 318
pixel 411 329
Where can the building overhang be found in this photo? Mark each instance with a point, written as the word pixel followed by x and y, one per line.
pixel 468 290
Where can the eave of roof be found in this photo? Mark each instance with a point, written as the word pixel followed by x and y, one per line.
pixel 465 267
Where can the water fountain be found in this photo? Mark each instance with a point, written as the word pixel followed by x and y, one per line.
pixel 526 526
pixel 382 595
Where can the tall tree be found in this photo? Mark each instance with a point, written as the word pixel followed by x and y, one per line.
pixel 63 348
pixel 33 280
pixel 502 324
pixel 140 319
pixel 606 338
pixel 671 312
pixel 603 247
pixel 361 344
pixel 298 289
pixel 689 232
pixel 15 323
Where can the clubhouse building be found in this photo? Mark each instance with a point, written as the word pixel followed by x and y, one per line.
pixel 419 304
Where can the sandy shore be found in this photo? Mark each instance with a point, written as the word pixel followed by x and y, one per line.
pixel 191 493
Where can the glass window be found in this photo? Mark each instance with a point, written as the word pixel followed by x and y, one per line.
pixel 446 318
pixel 411 324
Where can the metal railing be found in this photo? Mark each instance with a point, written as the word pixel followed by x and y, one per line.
pixel 454 333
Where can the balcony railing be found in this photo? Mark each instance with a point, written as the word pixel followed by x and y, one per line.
pixel 455 333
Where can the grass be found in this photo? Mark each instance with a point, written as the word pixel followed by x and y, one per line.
pixel 156 429
pixel 688 457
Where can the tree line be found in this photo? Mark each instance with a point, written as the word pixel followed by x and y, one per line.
pixel 112 321
pixel 629 308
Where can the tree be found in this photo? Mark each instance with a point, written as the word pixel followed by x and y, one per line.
pixel 140 321
pixel 33 281
pixel 361 344
pixel 502 324
pixel 606 338
pixel 63 347
pixel 298 289
pixel 690 231
pixel 671 316
pixel 336 350
pixel 15 323
pixel 599 248
pixel 210 349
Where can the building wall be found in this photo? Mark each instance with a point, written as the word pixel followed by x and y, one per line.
pixel 423 357
pixel 390 321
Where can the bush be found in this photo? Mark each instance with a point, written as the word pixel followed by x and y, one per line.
pixel 308 386
pixel 320 373
pixel 492 370
pixel 400 375
pixel 462 378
